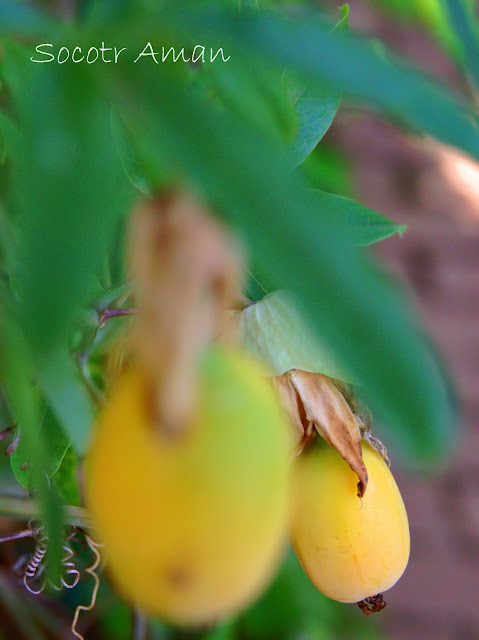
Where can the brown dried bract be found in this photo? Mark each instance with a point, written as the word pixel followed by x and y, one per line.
pixel 313 401
pixel 373 604
pixel 187 270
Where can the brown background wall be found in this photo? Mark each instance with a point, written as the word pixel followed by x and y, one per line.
pixel 436 192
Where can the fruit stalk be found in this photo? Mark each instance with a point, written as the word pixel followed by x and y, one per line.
pixel 26 509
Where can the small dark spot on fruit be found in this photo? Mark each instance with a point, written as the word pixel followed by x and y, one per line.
pixel 178 577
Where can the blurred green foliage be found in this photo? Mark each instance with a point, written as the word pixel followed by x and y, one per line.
pixel 431 14
pixel 80 144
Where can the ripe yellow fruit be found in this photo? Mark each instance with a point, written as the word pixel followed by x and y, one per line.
pixel 193 525
pixel 350 548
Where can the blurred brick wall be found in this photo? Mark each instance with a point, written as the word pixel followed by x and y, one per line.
pixel 436 192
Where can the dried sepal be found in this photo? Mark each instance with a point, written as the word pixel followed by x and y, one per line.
pixel 290 401
pixel 186 269
pixel 313 399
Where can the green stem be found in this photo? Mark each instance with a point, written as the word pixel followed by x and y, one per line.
pixel 25 509
pixel 93 391
pixel 106 314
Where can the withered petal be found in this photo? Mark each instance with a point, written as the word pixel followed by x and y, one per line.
pixel 326 407
pixel 187 269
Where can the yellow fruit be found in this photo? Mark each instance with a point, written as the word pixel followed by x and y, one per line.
pixel 193 525
pixel 350 548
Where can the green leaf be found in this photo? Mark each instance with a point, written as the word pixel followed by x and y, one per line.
pixel 257 286
pixel 8 134
pixel 273 331
pixel 65 479
pixel 55 444
pixel 249 4
pixel 248 87
pixel 68 175
pixel 366 225
pixel 343 24
pixel 17 374
pixel 350 305
pixel 430 13
pixel 70 401
pixel 328 169
pixel 343 62
pixel 316 108
pixel 117 621
pixel 3 148
pixel 113 296
pixel 23 19
pixel 224 631
pixel 292 607
pixel 289 608
pixel 464 22
pixel 129 157
pixel 68 179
